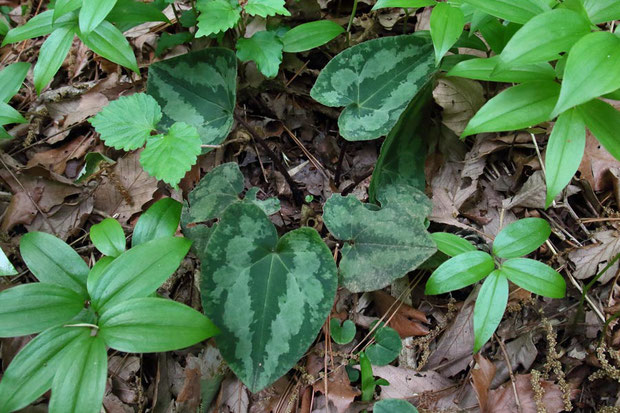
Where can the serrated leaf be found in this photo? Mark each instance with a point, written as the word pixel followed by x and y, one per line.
pixel 591 70
pixel 521 237
pixel 375 80
pixel 483 69
pixel 515 11
pixel 108 237
pixel 62 7
pixel 489 308
pixel 53 52
pixel 11 79
pixel 217 16
pixel 518 107
pixel 93 12
pixel 393 406
pixel 32 308
pixel 269 296
pixel 148 325
pixel 565 149
pixel 6 268
pixel 386 347
pixel 110 43
pixel 159 221
pixel 380 246
pixel 52 261
pixel 168 157
pixel 127 122
pixel 39 25
pixel 451 244
pixel 9 115
pixel 603 120
pixel 460 271
pixel 342 334
pixel 265 49
pixel 382 4
pixel 534 276
pixel 197 88
pixel 264 8
pixel 601 11
pixel 446 25
pixel 79 385
pixel 307 36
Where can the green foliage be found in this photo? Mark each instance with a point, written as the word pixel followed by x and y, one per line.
pixel 264 8
pixel 394 406
pixel 601 11
pixel 108 237
pixel 489 307
pixel 108 41
pixel 129 13
pixel 52 54
pixel 521 237
pixel 6 268
pixel 11 79
pixel 375 80
pixel 217 16
pixel 92 164
pixel 93 12
pixel 159 221
pixel 382 4
pixel 386 347
pixel 264 48
pixel 446 27
pixel 310 35
pixel 452 245
pixel 515 11
pixel 342 334
pixel 603 120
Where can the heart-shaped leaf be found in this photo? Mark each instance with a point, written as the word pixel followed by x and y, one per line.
pixel 521 237
pixel 380 245
pixel 375 80
pixel 386 347
pixel 342 334
pixel 269 296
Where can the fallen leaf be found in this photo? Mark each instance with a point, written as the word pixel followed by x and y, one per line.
pixel 591 259
pixel 56 159
pixel 64 220
pixel 340 393
pixel 460 99
pixel 403 318
pixel 596 163
pixel 20 211
pixel 503 400
pixel 233 397
pixel 481 377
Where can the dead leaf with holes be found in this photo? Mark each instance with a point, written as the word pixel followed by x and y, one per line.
pixel 460 99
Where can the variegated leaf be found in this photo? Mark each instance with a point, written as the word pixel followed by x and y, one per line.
pixel 269 296
pixel 199 89
pixel 380 245
pixel 375 80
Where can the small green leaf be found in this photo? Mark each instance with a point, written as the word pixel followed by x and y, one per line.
pixel 93 12
pixel 53 52
pixel 32 308
pixel 601 11
pixel 534 276
pixel 406 4
pixel 591 70
pixel 265 49
pixel 393 406
pixel 4 134
pixel 39 25
pixel 4 26
pixel 108 237
pixel 518 107
pixel 168 157
pixel 564 152
pixel 127 122
pixel 446 25
pixel 149 325
pixel 138 272
pixel 451 245
pixel 498 34
pixel 460 271
pixel 307 36
pixel 342 334
pixel 489 307
pixel 130 13
pixel 264 8
pixel 521 237
pixel 62 7
pixel 54 262
pixel 11 79
pixel 79 385
pixel 386 347
pixel 9 115
pixel 167 41
pixel 159 221
pixel 6 268
pixel 603 120
pixel 515 11
pixel 92 162
pixel 368 380
pixel 110 43
pixel 217 16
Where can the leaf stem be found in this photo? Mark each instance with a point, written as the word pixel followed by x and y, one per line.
pixel 352 15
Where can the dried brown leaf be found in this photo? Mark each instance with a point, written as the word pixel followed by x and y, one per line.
pixel 596 163
pixel 591 259
pixel 503 400
pixel 460 99
pixel 481 377
pixel 403 318
pixel 340 393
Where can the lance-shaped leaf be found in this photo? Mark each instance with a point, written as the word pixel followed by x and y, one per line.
pixel 452 245
pixel 11 79
pixel 521 237
pixel 375 80
pixel 446 27
pixel 62 7
pixel 515 11
pixel 53 52
pixel 199 89
pixel 535 276
pixel 483 69
pixel 159 221
pixel 382 4
pixel 93 12
pixel 310 35
pixel 9 115
pixel 601 11
pixel 217 16
pixel 108 237
pixel 39 25
pixel 489 307
pixel 269 296
pixel 217 191
pixel 110 43
pixel 380 245
pixel 459 271
pixel 603 120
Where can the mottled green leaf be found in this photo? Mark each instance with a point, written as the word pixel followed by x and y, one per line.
pixel 11 79
pixel 386 347
pixel 459 271
pixel 110 43
pixel 9 115
pixel 603 120
pixel 535 276
pixel 446 25
pixel 6 268
pixel 199 89
pixel 393 406
pixel 108 237
pixel 159 221
pixel 521 237
pixel 380 245
pixel 407 4
pixel 265 49
pixel 375 80
pixel 452 245
pixel 39 25
pixel 342 334
pixel 483 69
pixel 93 12
pixel 489 307
pixel 310 35
pixel 601 11
pixel 53 52
pixel 217 16
pixel 269 296
pixel 264 8
pixel 515 11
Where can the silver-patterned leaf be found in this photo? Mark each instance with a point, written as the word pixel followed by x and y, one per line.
pixel 375 80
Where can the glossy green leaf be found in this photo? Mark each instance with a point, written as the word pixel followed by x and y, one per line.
pixel 93 12
pixel 31 372
pixel 199 89
pixel 159 221
pixel 168 157
pixel 380 245
pixel 264 8
pixel 498 34
pixel 9 115
pixel 543 38
pixel 6 267
pixel 108 237
pixel 98 269
pixel 217 16
pixel 32 308
pixel 393 406
pixel 52 261
pixel 601 11
pixel 460 271
pixel 489 308
pixel 521 237
pixel 483 69
pixel 92 164
pixel 534 276
pixel 62 7
pixel 342 334
pixel 446 25
pixel 375 80
pixel 265 49
pixel 148 325
pixel 110 43
pixel 615 95
pixel 518 107
pixel 269 296
pixel 307 36
pixel 138 272
pixel 11 79
pixel 407 4
pixel 39 25
pixel 603 120
pixel 591 70
pixel 368 380
pixel 452 245
pixel 386 347
pixel 130 13
pixel 564 152
pixel 53 52
pixel 515 11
